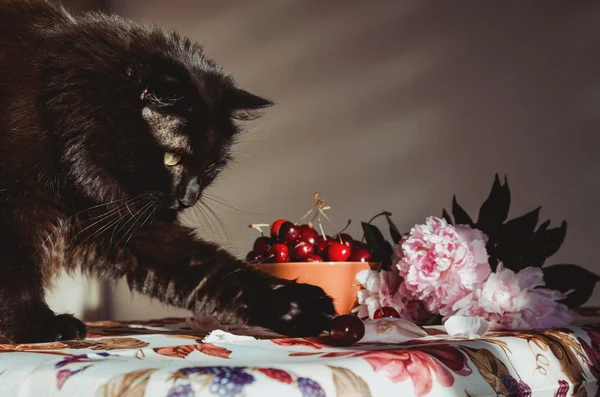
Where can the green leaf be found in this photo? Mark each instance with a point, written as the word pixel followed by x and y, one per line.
pixel 379 247
pixel 446 216
pixel 394 232
pixel 460 215
pixel 494 210
pixel 571 277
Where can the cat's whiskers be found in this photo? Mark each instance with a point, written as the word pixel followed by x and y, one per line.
pixel 227 204
pixel 115 209
pixel 136 219
pixel 205 222
pixel 213 214
pixel 143 204
pixel 209 223
pixel 218 219
pixel 153 209
pixel 100 205
pixel 107 217
pixel 55 233
pixel 102 229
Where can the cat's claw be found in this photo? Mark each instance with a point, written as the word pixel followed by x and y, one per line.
pixel 296 310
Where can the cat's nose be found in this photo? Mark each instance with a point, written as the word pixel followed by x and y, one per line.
pixel 185 203
pixel 190 195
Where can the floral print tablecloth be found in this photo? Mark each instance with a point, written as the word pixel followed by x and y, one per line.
pixel 167 358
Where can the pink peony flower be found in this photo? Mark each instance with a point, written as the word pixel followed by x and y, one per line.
pixel 514 301
pixel 441 263
pixel 502 293
pixel 381 289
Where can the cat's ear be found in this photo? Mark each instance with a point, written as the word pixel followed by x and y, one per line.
pixel 239 99
pixel 244 105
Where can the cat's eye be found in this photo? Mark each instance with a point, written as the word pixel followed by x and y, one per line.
pixel 171 159
pixel 211 166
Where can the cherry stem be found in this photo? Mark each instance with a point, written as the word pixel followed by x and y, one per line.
pixel 307 214
pixel 315 217
pixel 322 231
pixel 319 203
pixel 345 227
pixel 259 226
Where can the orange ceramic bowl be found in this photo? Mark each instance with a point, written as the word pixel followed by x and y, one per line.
pixel 338 279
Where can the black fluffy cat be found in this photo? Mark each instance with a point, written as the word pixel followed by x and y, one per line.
pixel 107 130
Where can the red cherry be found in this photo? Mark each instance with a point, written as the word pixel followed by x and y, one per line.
pixel 275 227
pixel 279 253
pixel 386 311
pixel 288 233
pixel 262 244
pixel 346 240
pixel 338 252
pixel 322 247
pixel 360 244
pixel 302 251
pixel 308 234
pixel 255 257
pixel 347 329
pixel 361 254
pixel 314 258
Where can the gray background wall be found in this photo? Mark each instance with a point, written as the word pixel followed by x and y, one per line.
pixel 400 105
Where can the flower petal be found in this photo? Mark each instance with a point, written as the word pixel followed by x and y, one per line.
pixel 464 326
pixel 531 277
pixel 391 330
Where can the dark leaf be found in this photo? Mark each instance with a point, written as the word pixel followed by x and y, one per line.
pixel 523 226
pixel 514 238
pixel 548 242
pixel 386 256
pixel 543 227
pixel 494 210
pixel 515 263
pixel 571 277
pixel 545 243
pixel 379 247
pixel 493 260
pixel 372 234
pixel 446 216
pixel 460 215
pixel 394 232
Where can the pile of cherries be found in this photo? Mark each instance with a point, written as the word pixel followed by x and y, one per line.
pixel 289 242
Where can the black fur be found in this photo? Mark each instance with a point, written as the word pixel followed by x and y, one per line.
pixel 88 107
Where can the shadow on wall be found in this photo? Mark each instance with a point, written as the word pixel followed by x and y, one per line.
pixel 399 106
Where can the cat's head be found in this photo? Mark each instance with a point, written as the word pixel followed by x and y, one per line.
pixel 139 112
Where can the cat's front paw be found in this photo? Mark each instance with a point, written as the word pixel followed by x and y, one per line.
pixel 48 329
pixel 295 310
